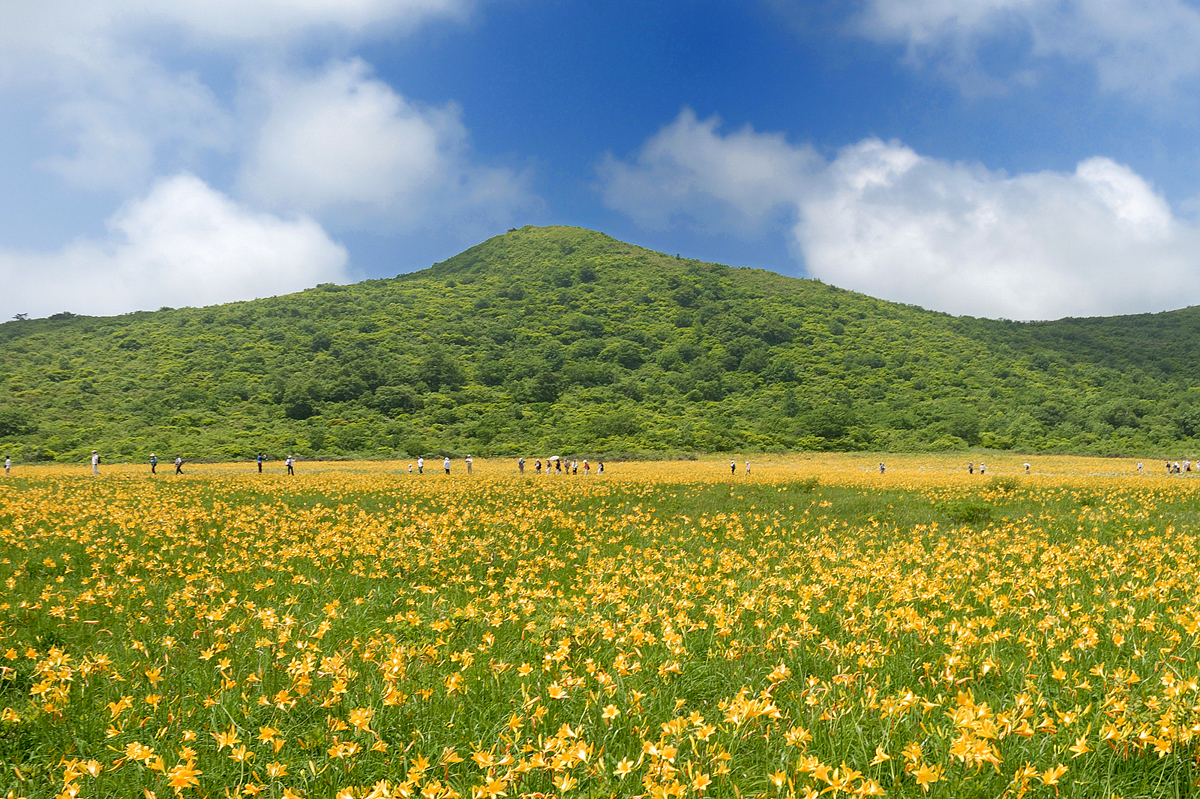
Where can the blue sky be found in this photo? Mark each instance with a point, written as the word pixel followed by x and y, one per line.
pixel 1024 159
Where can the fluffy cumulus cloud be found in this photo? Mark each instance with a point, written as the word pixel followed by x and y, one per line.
pixel 118 93
pixel 118 111
pixel 345 144
pixel 884 220
pixel 182 244
pixel 1138 46
pixel 690 172
pixel 59 26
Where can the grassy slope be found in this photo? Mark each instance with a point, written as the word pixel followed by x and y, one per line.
pixel 565 339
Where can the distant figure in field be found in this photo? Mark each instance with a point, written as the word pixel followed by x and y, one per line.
pixel 7 465
pixel 733 467
pixel 1140 467
pixel 178 465
pixel 1027 468
pixel 153 463
pixel 882 468
pixel 558 466
pixel 95 463
pixel 747 467
pixel 586 468
pixel 982 468
pixel 289 463
pixel 410 468
pixel 599 467
pixel 574 467
pixel 420 466
pixel 446 464
pixel 521 465
pixel 260 460
pixel 469 462
pixel 970 467
pixel 537 466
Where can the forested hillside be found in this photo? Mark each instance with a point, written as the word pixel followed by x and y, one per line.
pixel 564 340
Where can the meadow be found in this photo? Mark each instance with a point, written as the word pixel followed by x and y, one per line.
pixel 811 628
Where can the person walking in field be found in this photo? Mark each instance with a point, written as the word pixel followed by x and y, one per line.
pixel 521 465
pixel 7 465
pixel 1140 467
pixel 260 460
pixel 882 468
pixel 95 463
pixel 599 467
pixel 421 465
pixel 178 464
pixel 586 468
pixel 446 464
pixel 747 467
pixel 970 467
pixel 153 463
pixel 733 467
pixel 537 466
pixel 289 463
pixel 469 462
pixel 1027 468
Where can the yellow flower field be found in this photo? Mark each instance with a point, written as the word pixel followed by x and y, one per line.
pixel 814 627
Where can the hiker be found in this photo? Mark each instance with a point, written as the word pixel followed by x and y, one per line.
pixel 970 467
pixel 882 468
pixel 260 462
pixel 733 467
pixel 153 463
pixel 421 465
pixel 289 463
pixel 521 465
pixel 1027 468
pixel 537 466
pixel 178 465
pixel 599 467
pixel 469 462
pixel 586 468
pixel 747 467
pixel 446 464
pixel 7 465
pixel 95 463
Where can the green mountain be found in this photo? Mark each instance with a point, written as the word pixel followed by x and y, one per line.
pixel 564 340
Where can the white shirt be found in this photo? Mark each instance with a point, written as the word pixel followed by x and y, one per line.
pixel 446 463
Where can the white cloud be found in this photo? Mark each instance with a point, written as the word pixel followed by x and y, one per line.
pixel 182 244
pixel 1144 47
pixel 346 144
pixel 118 113
pixel 61 26
pixel 886 221
pixel 687 170
pixel 119 125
